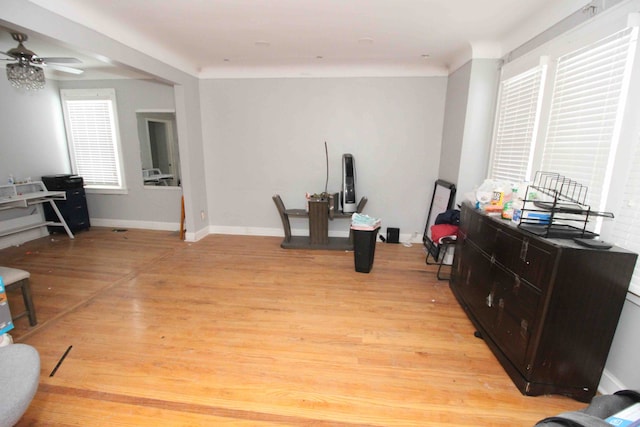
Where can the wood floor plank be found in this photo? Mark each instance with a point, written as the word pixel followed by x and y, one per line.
pixel 234 330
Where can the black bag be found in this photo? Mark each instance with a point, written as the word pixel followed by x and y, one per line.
pixel 601 407
pixel 450 216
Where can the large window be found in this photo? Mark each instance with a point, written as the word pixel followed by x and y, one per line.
pixel 92 135
pixel 516 126
pixel 574 128
pixel 586 111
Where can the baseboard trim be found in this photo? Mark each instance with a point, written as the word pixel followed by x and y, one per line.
pixel 23 237
pixel 609 383
pixel 246 231
pixel 145 225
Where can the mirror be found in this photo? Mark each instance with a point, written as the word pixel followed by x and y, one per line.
pixel 159 153
pixel 444 194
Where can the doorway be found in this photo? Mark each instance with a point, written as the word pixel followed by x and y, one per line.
pixel 159 149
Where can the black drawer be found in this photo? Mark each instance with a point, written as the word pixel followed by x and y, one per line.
pixel 517 304
pixel 74 211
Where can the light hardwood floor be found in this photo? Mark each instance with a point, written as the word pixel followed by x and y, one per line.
pixel 236 331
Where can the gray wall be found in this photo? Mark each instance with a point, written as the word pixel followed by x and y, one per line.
pixel 484 80
pixel 621 370
pixel 30 17
pixel 32 144
pixel 32 140
pixel 266 136
pixel 468 125
pixel 454 120
pixel 142 206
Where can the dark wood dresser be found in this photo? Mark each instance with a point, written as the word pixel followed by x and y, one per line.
pixel 547 308
pixel 74 208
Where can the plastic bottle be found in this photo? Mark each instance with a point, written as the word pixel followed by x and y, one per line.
pixel 11 179
pixel 497 198
pixel 507 210
pixel 516 209
pixel 509 197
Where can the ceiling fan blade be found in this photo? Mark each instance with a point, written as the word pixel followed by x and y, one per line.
pixel 64 69
pixel 7 55
pixel 61 60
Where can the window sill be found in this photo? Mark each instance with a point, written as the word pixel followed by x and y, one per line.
pixel 90 190
pixel 633 298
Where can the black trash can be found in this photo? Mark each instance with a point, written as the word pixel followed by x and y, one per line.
pixel 364 248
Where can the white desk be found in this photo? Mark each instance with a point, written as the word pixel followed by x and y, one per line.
pixel 155 176
pixel 28 194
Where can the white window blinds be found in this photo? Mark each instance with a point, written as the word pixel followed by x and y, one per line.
pixel 516 126
pixel 93 139
pixel 626 232
pixel 589 92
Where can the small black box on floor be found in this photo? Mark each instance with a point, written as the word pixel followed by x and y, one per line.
pixel 393 235
pixel 364 249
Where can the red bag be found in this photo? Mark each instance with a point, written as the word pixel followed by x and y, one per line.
pixel 439 231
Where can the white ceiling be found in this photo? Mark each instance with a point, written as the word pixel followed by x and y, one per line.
pixel 223 38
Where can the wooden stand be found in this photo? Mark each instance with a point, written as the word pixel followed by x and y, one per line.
pixel 318 222
pixel 320 212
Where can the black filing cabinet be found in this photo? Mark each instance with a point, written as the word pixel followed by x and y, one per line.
pixel 74 209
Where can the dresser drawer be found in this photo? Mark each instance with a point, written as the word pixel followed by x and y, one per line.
pixel 517 305
pixel 536 263
pixel 476 285
pixel 483 233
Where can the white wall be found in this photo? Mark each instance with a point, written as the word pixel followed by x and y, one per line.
pixel 266 136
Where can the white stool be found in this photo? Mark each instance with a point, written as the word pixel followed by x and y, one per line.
pixel 14 278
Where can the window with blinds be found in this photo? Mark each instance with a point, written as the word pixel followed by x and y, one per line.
pixel 516 126
pixel 588 97
pixel 92 135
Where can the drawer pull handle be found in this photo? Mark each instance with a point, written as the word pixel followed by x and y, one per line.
pixel 523 250
pixel 489 300
pixel 524 328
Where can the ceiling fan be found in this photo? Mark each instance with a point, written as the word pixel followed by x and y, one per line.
pixel 26 71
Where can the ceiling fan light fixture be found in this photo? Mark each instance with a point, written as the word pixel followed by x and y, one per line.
pixel 25 76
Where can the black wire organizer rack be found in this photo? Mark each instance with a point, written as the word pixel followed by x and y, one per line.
pixel 556 207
